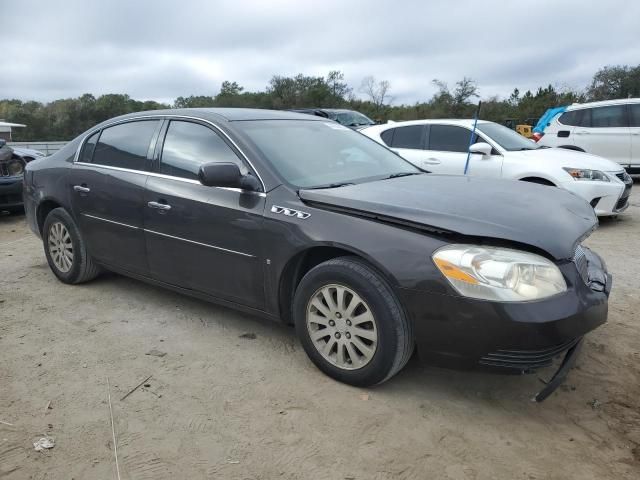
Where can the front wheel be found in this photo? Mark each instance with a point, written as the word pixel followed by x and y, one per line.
pixel 350 322
pixel 65 249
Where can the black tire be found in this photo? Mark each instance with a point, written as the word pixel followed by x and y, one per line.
pixel 539 181
pixel 83 268
pixel 395 334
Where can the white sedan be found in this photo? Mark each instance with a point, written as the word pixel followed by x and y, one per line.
pixel 441 146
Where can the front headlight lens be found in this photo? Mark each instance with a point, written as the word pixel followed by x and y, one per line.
pixel 15 167
pixel 499 274
pixel 586 174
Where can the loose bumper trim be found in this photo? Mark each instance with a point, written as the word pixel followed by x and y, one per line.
pixel 561 374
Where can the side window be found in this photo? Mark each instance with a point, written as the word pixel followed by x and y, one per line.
pixel 125 145
pixel 387 136
pixel 613 116
pixel 570 118
pixel 89 146
pixel 409 137
pixel 188 145
pixel 449 138
pixel 634 115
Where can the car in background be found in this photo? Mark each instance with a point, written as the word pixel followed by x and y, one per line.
pixel 12 164
pixel 348 118
pixel 441 146
pixel 610 129
pixel 303 220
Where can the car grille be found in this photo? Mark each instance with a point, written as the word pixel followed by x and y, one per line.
pixel 526 360
pixel 621 176
pixel 580 261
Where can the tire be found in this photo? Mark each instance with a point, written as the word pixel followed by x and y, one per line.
pixel 60 232
pixel 388 342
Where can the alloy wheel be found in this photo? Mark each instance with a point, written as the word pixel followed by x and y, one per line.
pixel 60 247
pixel 342 327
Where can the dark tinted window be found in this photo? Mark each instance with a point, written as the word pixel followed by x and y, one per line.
pixel 89 147
pixel 188 145
pixel 634 113
pixel 387 136
pixel 448 138
pixel 608 116
pixel 409 137
pixel 125 145
pixel 570 118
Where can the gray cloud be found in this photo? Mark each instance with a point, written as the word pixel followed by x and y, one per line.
pixel 163 49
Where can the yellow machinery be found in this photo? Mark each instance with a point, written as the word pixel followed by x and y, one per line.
pixel 524 129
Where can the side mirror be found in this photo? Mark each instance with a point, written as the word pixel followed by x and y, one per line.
pixel 482 148
pixel 226 174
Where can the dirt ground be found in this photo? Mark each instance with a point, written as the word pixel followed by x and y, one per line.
pixel 232 396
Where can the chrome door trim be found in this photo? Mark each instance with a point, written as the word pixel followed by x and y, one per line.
pixel 169 116
pixel 170 236
pixel 111 221
pixel 169 177
pixel 200 243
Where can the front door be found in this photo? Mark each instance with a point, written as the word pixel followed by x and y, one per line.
pixel 447 148
pixel 634 127
pixel 202 238
pixel 107 193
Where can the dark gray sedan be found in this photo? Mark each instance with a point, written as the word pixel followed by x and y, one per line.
pixel 305 221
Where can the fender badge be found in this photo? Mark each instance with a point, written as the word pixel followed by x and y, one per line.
pixel 289 212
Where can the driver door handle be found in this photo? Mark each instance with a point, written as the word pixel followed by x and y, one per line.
pixel 432 161
pixel 81 189
pixel 159 206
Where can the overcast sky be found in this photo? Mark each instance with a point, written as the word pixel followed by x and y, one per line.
pixel 163 49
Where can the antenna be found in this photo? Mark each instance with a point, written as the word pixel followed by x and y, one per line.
pixel 473 134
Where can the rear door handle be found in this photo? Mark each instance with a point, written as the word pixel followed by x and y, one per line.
pixel 432 161
pixel 159 206
pixel 81 189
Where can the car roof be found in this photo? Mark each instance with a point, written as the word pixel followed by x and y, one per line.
pixel 443 121
pixel 603 103
pixel 224 114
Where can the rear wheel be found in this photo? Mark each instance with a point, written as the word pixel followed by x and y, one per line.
pixel 65 249
pixel 350 323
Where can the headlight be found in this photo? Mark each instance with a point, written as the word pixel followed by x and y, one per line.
pixel 15 167
pixel 499 274
pixel 585 174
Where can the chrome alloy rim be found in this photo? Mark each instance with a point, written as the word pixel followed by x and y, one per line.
pixel 342 327
pixel 60 247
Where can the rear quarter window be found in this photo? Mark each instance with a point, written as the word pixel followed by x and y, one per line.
pixel 387 137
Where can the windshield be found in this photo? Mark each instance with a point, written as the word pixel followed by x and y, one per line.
pixel 351 119
pixel 317 154
pixel 506 138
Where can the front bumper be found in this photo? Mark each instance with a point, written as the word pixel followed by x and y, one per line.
pixel 455 331
pixel 10 192
pixel 606 198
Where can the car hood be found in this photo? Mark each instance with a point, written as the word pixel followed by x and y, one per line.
pixel 563 157
pixel 551 219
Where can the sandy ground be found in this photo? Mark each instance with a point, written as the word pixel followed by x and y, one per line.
pixel 224 404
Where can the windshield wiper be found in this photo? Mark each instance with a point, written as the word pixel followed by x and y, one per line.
pixel 402 174
pixel 331 185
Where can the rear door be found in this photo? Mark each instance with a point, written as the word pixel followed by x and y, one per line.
pixel 605 131
pixel 408 142
pixel 107 192
pixel 202 238
pixel 449 144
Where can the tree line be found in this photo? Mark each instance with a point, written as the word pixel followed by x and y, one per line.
pixel 66 118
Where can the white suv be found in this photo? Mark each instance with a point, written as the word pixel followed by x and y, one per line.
pixel 440 147
pixel 610 129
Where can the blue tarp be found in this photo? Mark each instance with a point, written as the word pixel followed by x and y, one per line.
pixel 546 118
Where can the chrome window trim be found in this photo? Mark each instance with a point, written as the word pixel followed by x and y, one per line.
pixel 158 117
pixel 169 177
pixel 200 243
pixel 170 236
